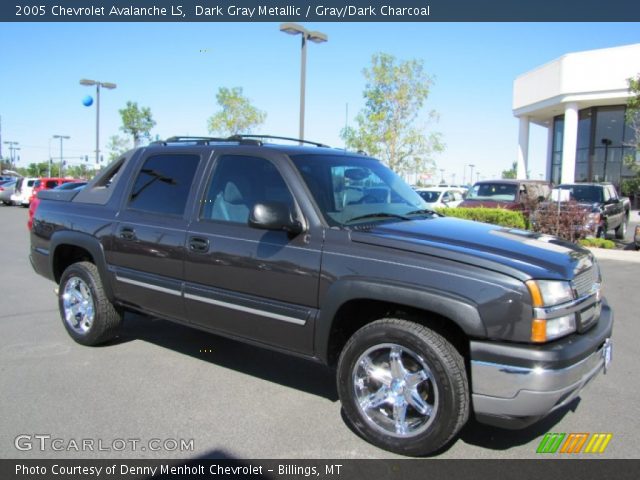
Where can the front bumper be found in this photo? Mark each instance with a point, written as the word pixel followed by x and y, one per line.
pixel 514 386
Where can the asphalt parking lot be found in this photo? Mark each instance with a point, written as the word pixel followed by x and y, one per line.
pixel 160 385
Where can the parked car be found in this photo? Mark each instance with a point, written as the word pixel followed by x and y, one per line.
pixel 48 183
pixel 426 319
pixel 6 190
pixel 35 200
pixel 23 191
pixel 510 194
pixel 606 209
pixel 441 197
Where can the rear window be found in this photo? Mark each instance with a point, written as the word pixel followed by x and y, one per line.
pixel 494 191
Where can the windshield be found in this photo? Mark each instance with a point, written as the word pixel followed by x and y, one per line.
pixel 505 192
pixel 584 193
pixel 348 187
pixel 429 196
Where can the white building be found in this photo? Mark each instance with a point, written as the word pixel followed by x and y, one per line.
pixel 580 98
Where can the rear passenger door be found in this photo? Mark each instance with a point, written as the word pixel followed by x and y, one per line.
pixel 256 284
pixel 148 240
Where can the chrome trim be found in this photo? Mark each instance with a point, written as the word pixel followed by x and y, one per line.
pixel 242 308
pixel 574 306
pixel 507 381
pixel 150 286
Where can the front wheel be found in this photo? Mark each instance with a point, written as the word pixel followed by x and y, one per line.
pixel 403 387
pixel 87 314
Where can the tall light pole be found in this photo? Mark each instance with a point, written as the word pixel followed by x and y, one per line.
pixel 471 165
pixel 98 84
pixel 316 37
pixel 61 137
pixel 606 142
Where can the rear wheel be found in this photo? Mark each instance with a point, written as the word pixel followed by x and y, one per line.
pixel 86 312
pixel 403 387
pixel 621 231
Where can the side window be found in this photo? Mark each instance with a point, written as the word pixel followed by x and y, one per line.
pixel 163 184
pixel 238 183
pixel 607 194
pixel 612 192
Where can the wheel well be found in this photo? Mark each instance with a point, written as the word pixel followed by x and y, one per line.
pixel 66 255
pixel 355 314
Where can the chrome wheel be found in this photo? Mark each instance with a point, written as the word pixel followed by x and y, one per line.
pixel 78 305
pixel 395 390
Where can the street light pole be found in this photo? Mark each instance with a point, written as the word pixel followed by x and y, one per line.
pixel 471 165
pixel 606 142
pixel 98 84
pixel 61 137
pixel 12 149
pixel 316 37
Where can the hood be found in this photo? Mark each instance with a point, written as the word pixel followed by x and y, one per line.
pixel 519 253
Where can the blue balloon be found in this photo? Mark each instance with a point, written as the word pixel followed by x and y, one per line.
pixel 87 101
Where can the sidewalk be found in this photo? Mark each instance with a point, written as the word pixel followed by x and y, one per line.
pixel 619 255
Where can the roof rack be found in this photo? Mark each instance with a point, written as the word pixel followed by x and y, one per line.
pixel 242 136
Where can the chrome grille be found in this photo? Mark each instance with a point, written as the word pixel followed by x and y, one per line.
pixel 584 281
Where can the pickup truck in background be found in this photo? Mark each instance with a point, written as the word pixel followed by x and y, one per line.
pixel 331 256
pixel 606 210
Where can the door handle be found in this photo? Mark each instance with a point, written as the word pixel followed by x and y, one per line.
pixel 128 233
pixel 198 245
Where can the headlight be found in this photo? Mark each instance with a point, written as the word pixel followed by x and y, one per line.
pixel 545 294
pixel 548 293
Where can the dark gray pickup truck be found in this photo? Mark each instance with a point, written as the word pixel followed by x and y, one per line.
pixel 330 256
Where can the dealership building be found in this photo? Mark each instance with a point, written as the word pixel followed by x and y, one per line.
pixel 580 99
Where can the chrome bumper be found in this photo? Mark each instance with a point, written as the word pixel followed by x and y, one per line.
pixel 508 392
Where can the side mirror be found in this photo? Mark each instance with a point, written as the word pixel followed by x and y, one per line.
pixel 274 216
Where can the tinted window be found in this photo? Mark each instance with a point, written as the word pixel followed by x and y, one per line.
pixel 494 191
pixel 238 183
pixel 163 184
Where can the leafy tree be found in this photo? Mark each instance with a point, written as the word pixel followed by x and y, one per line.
pixel 116 146
pixel 631 186
pixel 137 122
pixel 388 125
pixel 512 172
pixel 237 114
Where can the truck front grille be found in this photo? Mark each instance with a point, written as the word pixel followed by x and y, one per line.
pixel 584 282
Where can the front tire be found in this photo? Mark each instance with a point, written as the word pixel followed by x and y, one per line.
pixel 87 314
pixel 403 387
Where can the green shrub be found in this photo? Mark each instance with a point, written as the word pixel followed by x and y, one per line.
pixel 597 243
pixel 495 216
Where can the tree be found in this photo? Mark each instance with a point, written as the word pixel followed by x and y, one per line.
pixel 388 127
pixel 512 172
pixel 237 114
pixel 117 146
pixel 137 122
pixel 631 186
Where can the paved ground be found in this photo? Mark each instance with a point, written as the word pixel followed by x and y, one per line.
pixel 234 400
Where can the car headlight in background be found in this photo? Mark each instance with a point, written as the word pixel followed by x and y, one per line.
pixel 545 294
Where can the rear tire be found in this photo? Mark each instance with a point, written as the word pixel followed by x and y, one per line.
pixel 403 387
pixel 621 231
pixel 87 314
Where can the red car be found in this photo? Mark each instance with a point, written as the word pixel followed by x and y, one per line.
pixel 66 184
pixel 509 194
pixel 46 184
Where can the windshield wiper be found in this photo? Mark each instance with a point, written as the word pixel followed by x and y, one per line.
pixel 379 215
pixel 424 211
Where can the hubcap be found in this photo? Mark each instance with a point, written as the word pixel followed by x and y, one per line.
pixel 395 390
pixel 77 304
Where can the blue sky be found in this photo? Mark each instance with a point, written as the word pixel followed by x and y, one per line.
pixel 177 68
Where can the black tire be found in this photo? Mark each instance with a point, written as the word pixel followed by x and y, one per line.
pixel 602 231
pixel 443 389
pixel 621 231
pixel 81 288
